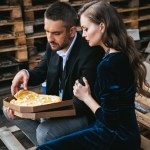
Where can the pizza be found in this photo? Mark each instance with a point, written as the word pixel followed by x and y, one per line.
pixel 30 98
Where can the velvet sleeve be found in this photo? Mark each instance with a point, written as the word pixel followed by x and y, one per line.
pixel 115 88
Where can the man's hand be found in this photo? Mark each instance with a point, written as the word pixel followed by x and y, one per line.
pixel 20 78
pixel 9 114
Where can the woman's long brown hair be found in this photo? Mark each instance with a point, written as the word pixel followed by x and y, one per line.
pixel 115 36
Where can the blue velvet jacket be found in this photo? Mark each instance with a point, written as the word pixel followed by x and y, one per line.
pixel 116 125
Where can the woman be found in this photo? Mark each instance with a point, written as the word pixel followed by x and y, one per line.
pixel 120 75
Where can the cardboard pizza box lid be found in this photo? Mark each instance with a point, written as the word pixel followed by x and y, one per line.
pixel 28 109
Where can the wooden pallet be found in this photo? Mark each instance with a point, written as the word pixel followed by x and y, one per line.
pixel 9 40
pixel 19 53
pixel 33 39
pixel 10 12
pixel 27 3
pixel 34 61
pixel 14 28
pixel 11 139
pixel 34 12
pixel 36 45
pixel 9 74
pixel 34 26
pixel 143 117
pixel 144 21
pixel 8 2
pixel 8 68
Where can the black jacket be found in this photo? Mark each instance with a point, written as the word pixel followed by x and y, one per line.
pixel 82 62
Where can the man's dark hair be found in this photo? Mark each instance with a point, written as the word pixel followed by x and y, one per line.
pixel 62 11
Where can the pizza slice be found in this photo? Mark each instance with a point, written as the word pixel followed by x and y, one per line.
pixel 30 98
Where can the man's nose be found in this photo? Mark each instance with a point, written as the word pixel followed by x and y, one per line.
pixel 50 37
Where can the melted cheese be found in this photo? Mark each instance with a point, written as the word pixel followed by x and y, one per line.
pixel 29 98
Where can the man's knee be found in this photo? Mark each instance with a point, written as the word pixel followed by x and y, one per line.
pixel 44 134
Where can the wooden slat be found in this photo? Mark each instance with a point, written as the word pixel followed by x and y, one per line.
pixel 36 8
pixel 9 139
pixel 36 35
pixel 13 129
pixel 145 143
pixel 12 48
pixel 143 100
pixel 143 119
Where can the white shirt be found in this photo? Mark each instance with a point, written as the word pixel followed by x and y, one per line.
pixel 65 56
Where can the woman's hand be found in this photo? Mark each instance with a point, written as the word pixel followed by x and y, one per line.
pixel 83 93
pixel 80 91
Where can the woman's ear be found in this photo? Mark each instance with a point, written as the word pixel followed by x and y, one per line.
pixel 102 27
pixel 73 31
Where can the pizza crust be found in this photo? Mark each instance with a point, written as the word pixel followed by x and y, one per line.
pixel 30 98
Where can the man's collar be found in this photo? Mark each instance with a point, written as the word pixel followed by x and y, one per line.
pixel 62 53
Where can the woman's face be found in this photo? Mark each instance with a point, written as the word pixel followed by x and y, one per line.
pixel 91 31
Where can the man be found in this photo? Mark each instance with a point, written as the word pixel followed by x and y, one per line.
pixel 78 59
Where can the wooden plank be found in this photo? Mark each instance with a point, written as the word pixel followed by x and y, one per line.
pixel 30 26
pixel 9 22
pixel 6 39
pixel 121 10
pixel 36 35
pixel 21 55
pixel 144 7
pixel 34 42
pixel 143 100
pixel 13 128
pixel 145 17
pixel 145 143
pixel 27 2
pixel 36 8
pixel 6 36
pixel 12 48
pixel 12 29
pixel 145 28
pixel 9 140
pixel 144 119
pixel 14 11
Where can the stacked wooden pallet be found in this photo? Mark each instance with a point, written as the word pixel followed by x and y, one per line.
pixel 13 49
pixel 144 23
pixel 33 12
pixel 12 37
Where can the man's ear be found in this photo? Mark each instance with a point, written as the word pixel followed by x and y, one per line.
pixel 73 31
pixel 102 27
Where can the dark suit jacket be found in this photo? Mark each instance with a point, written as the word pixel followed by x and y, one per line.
pixel 82 62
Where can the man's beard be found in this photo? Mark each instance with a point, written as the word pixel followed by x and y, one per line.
pixel 64 45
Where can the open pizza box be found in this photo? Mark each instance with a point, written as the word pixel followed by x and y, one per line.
pixel 60 109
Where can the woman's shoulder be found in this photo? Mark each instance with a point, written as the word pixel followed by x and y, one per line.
pixel 115 59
